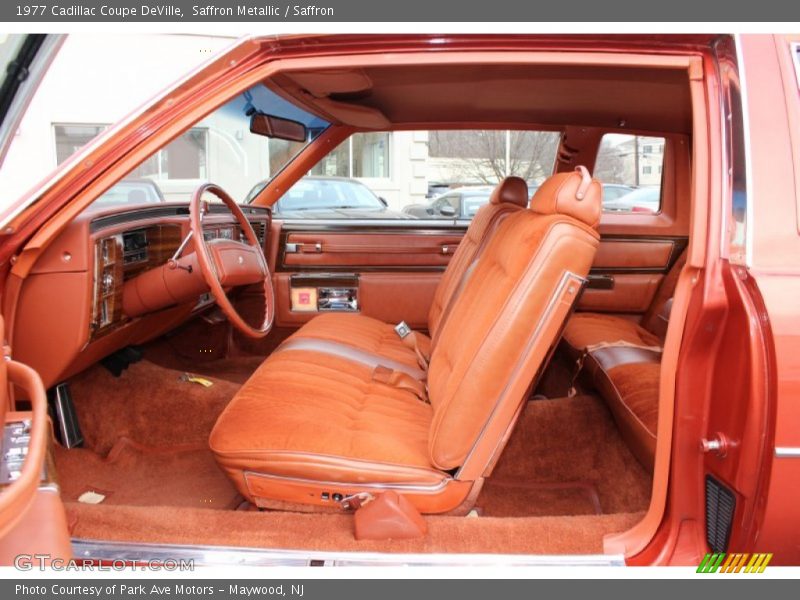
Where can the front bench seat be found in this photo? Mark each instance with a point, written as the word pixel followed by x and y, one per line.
pixel 379 338
pixel 312 428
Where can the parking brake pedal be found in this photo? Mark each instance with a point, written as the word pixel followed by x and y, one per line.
pixel 62 411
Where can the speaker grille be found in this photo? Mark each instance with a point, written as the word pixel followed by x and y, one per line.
pixel 720 507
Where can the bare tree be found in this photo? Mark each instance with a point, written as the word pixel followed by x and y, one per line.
pixel 481 155
pixel 610 166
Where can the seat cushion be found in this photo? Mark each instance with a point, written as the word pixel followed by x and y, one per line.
pixel 361 332
pixel 631 391
pixel 321 417
pixel 588 329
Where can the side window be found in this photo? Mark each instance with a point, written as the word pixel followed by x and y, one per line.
pixel 630 167
pixel 413 174
pixel 169 174
pixel 71 137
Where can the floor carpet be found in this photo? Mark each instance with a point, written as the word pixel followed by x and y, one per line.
pixel 146 452
pixel 566 457
pixel 136 475
pixel 148 404
pixel 328 532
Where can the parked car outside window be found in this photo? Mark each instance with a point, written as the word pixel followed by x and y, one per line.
pixel 129 192
pixel 329 198
pixel 463 203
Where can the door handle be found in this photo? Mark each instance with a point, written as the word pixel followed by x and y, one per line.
pixel 304 248
pixel 600 282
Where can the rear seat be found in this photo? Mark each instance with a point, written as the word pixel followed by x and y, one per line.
pixel 623 361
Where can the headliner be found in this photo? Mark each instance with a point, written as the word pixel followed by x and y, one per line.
pixel 647 99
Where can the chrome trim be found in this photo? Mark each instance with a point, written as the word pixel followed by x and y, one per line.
pixel 406 487
pixel 787 451
pixel 748 226
pixel 437 225
pixel 548 311
pixel 252 557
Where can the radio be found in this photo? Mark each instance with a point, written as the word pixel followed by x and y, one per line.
pixel 134 246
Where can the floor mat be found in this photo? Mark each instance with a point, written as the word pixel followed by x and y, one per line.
pixel 563 452
pixel 136 475
pixel 512 499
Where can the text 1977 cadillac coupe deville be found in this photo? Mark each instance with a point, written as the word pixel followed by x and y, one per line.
pixel 546 380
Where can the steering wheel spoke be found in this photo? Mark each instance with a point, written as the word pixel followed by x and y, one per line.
pixel 227 264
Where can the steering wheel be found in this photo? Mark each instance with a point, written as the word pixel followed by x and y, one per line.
pixel 230 263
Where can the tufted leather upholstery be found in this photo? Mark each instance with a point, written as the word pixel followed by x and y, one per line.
pixel 311 425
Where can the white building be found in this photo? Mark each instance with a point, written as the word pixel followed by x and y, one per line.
pixel 96 80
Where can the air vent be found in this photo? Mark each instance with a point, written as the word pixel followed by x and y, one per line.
pixel 720 507
pixel 260 228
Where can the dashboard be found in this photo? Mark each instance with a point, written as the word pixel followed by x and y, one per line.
pixel 71 310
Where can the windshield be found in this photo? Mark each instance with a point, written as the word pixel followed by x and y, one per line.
pixel 220 148
pixel 311 193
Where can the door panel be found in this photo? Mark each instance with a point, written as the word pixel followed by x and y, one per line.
pixel 368 249
pixel 628 293
pixel 32 517
pixel 627 271
pixel 389 271
pixel 632 253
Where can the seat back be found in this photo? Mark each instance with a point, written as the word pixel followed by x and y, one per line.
pixel 510 196
pixel 506 319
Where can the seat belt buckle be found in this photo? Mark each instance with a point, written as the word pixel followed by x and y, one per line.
pixel 402 330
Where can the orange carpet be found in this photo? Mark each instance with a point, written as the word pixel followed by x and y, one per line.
pixel 135 475
pixel 301 531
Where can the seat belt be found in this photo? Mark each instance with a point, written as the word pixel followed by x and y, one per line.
pixel 401 381
pixel 572 391
pixel 411 340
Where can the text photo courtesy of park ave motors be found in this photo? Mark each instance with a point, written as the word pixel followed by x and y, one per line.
pixel 156 590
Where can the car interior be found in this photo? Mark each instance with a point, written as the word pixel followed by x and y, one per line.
pixel 221 377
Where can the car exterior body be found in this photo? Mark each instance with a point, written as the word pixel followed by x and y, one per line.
pixel 329 198
pixel 464 201
pixel 645 199
pixel 729 385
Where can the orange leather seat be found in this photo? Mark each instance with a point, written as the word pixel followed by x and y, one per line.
pixel 377 337
pixel 623 361
pixel 313 426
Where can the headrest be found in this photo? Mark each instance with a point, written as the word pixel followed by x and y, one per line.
pixel 573 193
pixel 513 190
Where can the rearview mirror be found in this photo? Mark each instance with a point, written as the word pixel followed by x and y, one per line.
pixel 278 128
